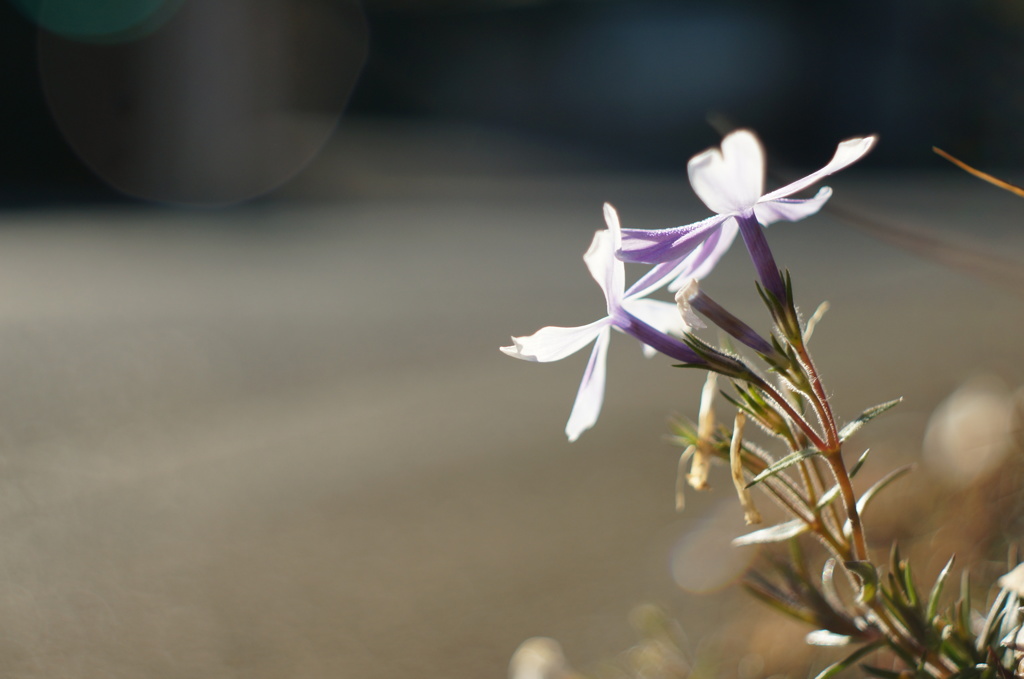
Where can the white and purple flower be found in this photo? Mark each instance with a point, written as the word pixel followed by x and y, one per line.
pixel 649 321
pixel 730 181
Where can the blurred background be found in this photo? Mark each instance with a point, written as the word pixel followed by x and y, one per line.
pixel 180 101
pixel 257 259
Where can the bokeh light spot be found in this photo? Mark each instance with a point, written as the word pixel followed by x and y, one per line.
pixel 98 20
pixel 970 432
pixel 224 102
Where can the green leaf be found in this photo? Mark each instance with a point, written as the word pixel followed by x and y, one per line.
pixel 827 497
pixel 974 672
pixel 779 533
pixel 784 463
pixel 879 672
pixel 859 463
pixel 870 493
pixel 866 416
pixel 993 620
pixel 828 585
pixel 896 606
pixel 846 662
pixel 894 559
pixel 777 599
pixel 965 601
pixel 908 585
pixel 868 575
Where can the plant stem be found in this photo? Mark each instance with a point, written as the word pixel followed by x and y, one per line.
pixel 838 467
pixel 797 419
pixel 820 400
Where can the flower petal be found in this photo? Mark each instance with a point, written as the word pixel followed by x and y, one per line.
pixel 662 316
pixel 847 153
pixel 590 396
pixel 791 209
pixel 664 245
pixel 611 219
pixel 608 271
pixel 554 343
pixel 699 263
pixel 730 180
pixel 654 279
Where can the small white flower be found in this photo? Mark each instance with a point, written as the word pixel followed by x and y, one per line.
pixel 730 181
pixel 650 321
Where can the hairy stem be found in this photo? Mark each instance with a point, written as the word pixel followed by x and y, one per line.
pixel 838 467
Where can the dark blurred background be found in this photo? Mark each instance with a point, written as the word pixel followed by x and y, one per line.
pixel 219 101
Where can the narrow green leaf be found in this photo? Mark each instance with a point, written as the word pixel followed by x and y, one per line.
pixel 894 562
pixel 896 606
pixel 993 620
pixel 965 601
pixel 879 672
pixel 828 586
pixel 779 533
pixel 849 660
pixel 904 655
pixel 776 600
pixel 798 562
pixel 784 463
pixel 859 463
pixel 974 672
pixel 958 619
pixel 955 651
pixel 933 597
pixel 766 296
pixel 870 493
pixel 913 598
pixel 866 416
pixel 827 497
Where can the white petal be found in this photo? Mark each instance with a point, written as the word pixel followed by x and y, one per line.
pixel 699 263
pixel 554 343
pixel 847 153
pixel 611 218
pixel 731 179
pixel 663 316
pixel 590 396
pixel 791 209
pixel 609 272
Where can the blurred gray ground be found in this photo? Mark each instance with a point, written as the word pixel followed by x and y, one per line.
pixel 280 441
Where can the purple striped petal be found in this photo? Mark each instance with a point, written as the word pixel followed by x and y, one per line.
pixel 699 263
pixel 665 245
